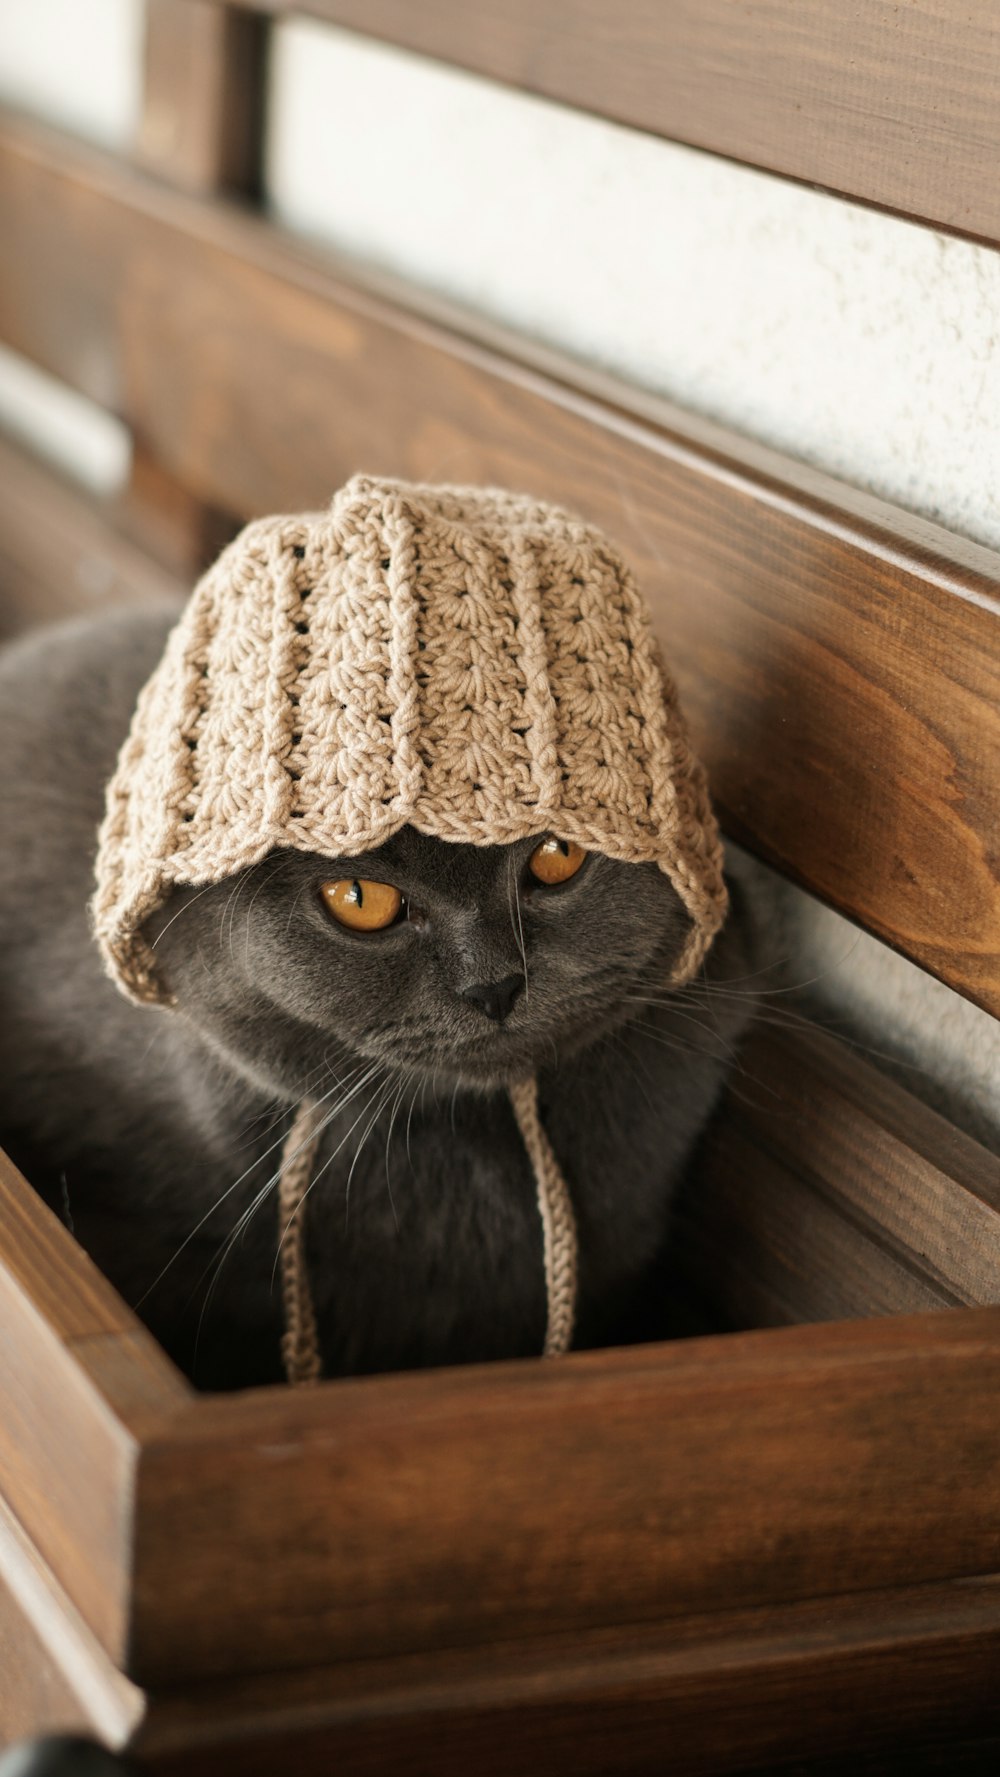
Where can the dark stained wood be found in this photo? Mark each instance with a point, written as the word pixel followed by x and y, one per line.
pixel 201 130
pixel 838 659
pixel 700 1696
pixel 61 553
pixel 81 1383
pixel 168 522
pixel 825 1191
pixel 443 1509
pixel 203 100
pixel 897 105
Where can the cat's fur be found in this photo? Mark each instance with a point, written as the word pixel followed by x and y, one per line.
pixel 155 1131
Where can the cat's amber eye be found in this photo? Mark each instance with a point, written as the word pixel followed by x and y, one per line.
pixel 555 860
pixel 361 905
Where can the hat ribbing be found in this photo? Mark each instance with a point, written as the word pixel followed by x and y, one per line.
pixel 466 661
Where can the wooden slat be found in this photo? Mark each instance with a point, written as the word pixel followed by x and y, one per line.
pixel 898 106
pixel 838 659
pixel 201 129
pixel 277 1528
pixel 54 1677
pixel 203 96
pixel 826 1191
pixel 172 527
pixel 881 1672
pixel 61 551
pixel 81 1383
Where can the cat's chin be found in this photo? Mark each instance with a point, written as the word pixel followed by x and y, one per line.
pixel 490 1064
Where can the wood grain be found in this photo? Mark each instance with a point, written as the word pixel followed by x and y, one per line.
pixel 838 659
pixel 464 1506
pixel 203 96
pixel 826 1191
pixel 201 130
pixel 62 552
pixel 898 106
pixel 81 1384
pixel 874 1673
pixel 174 529
pixel 54 1677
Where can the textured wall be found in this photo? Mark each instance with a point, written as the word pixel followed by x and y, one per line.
pixel 75 62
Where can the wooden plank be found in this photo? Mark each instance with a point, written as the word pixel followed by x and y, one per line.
pixel 61 553
pixel 768 1250
pixel 826 1191
pixel 81 1384
pixel 838 659
pixel 54 1677
pixel 203 96
pixel 170 524
pixel 201 129
pixel 703 1696
pixel 472 1505
pixel 898 106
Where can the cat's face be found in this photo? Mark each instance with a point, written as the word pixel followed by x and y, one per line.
pixel 474 971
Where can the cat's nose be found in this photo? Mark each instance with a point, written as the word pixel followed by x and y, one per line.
pixel 495 998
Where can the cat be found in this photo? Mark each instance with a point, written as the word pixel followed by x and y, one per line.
pixel 157 1134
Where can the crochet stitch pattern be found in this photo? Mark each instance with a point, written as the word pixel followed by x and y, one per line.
pixel 463 660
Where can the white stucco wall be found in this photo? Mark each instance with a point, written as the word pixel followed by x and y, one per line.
pixel 77 63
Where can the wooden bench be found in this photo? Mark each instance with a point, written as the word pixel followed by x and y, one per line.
pixel 773 1545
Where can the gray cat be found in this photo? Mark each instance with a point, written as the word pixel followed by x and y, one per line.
pixel 157 1135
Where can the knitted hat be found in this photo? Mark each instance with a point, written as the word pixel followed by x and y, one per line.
pixel 469 662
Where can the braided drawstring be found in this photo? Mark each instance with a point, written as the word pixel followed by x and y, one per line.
pixel 555 1206
pixel 300 1344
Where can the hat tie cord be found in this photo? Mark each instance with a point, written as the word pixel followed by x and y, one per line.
pixel 300 1347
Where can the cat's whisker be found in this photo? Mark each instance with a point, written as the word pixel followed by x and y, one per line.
pixel 388 1139
pixel 632 1061
pixel 371 1074
pixel 294 906
pixel 514 903
pixel 240 879
pixel 275 1113
pixel 686 1017
pixel 267 877
pixel 409 1119
pixel 184 908
pixel 780 1017
pixel 786 987
pixel 219 1201
pixel 377 1068
pixel 678 1045
pixel 383 1094
pixel 243 1222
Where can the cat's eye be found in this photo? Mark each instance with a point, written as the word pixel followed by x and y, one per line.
pixel 555 860
pixel 361 905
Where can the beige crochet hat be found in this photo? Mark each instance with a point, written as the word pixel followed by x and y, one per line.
pixel 467 661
